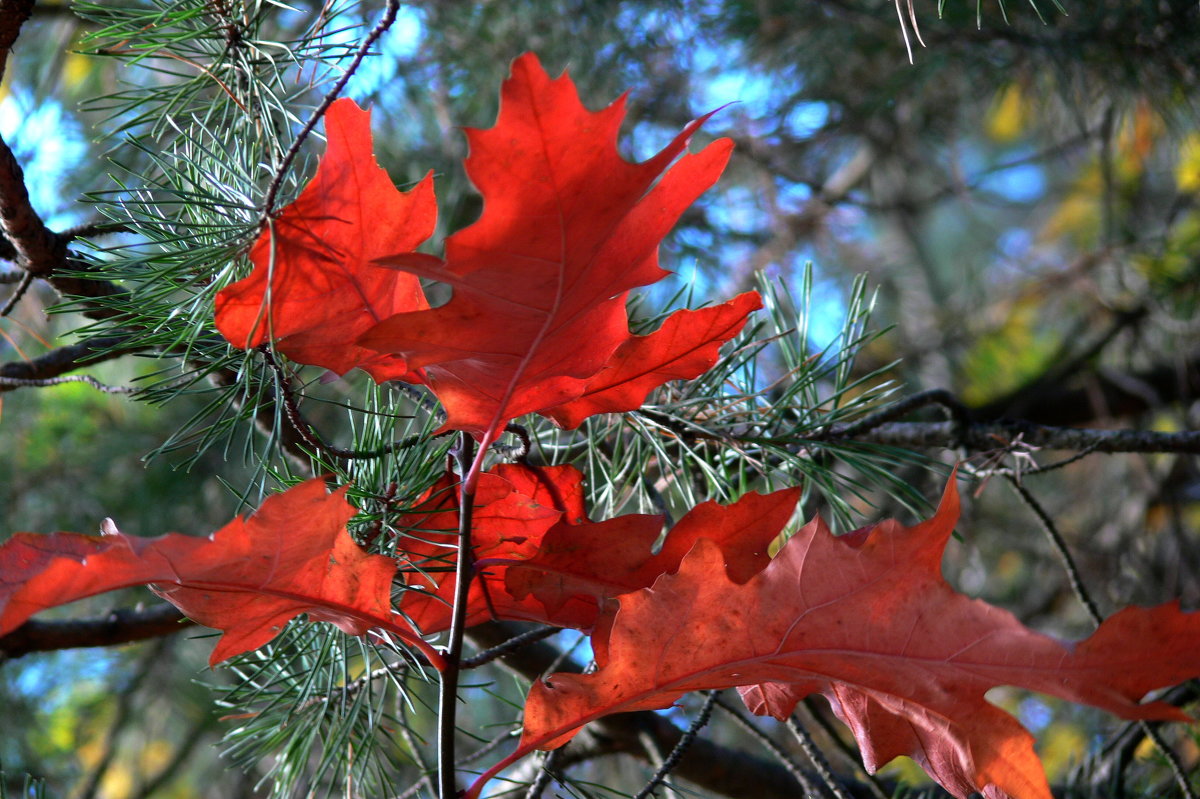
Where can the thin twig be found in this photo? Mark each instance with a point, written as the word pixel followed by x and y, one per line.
pixel 19 292
pixel 982 436
pixel 1081 593
pixel 426 781
pixel 309 433
pixel 1060 549
pixel 935 396
pixel 389 17
pixel 545 774
pixel 768 742
pixel 511 645
pixel 851 756
pixel 816 757
pixel 487 748
pixel 69 358
pixel 672 760
pixel 464 570
pixel 18 382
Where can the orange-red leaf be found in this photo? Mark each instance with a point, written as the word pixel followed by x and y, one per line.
pixel 868 620
pixel 247 579
pixel 687 345
pixel 540 559
pixel 315 289
pixel 568 228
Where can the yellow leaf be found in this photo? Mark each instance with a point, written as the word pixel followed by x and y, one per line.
pixel 76 69
pixel 1008 115
pixel 1187 171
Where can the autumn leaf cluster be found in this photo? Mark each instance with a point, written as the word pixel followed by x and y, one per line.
pixel 734 597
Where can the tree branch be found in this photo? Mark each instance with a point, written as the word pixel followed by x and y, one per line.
pixel 1106 394
pixel 984 436
pixel 13 14
pixel 62 360
pixel 119 627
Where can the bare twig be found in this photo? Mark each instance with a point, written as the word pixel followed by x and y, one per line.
pixel 1064 554
pixel 715 768
pixel 22 286
pixel 936 396
pixel 65 359
pixel 385 22
pixel 807 784
pixel 1060 548
pixel 305 430
pixel 464 571
pixel 816 757
pixel 981 436
pixel 17 382
pixel 546 773
pixel 119 627
pixel 511 645
pixel 849 755
pixel 672 760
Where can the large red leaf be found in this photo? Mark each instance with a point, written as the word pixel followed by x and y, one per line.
pixel 868 620
pixel 540 559
pixel 569 227
pixel 315 288
pixel 247 579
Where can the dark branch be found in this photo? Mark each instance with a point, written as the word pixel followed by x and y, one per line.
pixel 37 247
pixel 1106 394
pixel 984 436
pixel 13 14
pixel 63 360
pixel 119 627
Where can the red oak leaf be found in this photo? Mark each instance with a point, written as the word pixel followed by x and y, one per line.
pixel 687 345
pixel 578 568
pixel 540 282
pixel 539 558
pixel 506 522
pixel 868 620
pixel 247 579
pixel 315 288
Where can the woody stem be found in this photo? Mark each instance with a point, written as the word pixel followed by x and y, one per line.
pixel 464 571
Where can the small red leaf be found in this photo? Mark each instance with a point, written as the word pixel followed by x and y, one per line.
pixel 315 287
